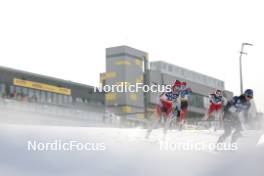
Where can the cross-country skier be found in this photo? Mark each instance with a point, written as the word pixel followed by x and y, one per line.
pixel 184 95
pixel 164 107
pixel 231 115
pixel 216 102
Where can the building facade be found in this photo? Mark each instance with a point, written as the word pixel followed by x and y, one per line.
pixel 131 66
pixel 124 65
pixel 30 93
pixel 164 73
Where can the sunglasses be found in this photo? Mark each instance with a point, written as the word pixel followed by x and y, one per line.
pixel 249 96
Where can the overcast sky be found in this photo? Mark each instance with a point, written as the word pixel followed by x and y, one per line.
pixel 67 39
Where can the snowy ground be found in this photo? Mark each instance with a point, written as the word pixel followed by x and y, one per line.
pixel 126 153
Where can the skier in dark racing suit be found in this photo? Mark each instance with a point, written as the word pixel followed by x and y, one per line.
pixel 231 115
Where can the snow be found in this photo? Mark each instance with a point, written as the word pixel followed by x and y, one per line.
pixel 261 140
pixel 126 152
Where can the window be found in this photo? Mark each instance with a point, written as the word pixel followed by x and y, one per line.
pixel 164 66
pixel 18 89
pixel 11 90
pixel 2 88
pixel 170 68
pixel 219 84
pixel 54 98
pixel 200 79
pixel 42 96
pixel 182 72
pixel 37 95
pixel 70 99
pixel 60 98
pixel 65 99
pixel 206 80
pixel 197 101
pixel 187 75
pixel 176 71
pixel 79 100
pixel 206 101
pixel 25 91
pixel 215 83
pixel 49 97
pixel 203 79
pixel 194 77
pixel 30 93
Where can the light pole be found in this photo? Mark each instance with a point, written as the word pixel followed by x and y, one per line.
pixel 240 65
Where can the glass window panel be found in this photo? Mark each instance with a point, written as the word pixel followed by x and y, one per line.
pixel 18 89
pixel 42 96
pixel 37 95
pixel 49 97
pixel 12 89
pixel 30 92
pixel 60 97
pixel 54 98
pixel 25 91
